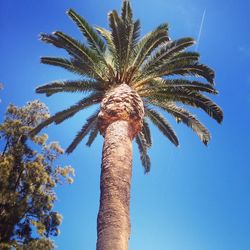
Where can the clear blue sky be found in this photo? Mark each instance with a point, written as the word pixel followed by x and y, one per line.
pixel 195 197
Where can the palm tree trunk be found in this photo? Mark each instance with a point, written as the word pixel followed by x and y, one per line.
pixel 113 223
pixel 120 119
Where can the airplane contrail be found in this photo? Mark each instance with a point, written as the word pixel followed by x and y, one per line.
pixel 201 26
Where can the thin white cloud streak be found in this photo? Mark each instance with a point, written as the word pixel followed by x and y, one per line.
pixel 200 31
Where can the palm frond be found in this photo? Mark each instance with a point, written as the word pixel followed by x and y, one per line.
pixel 94 41
pixel 42 125
pixel 142 145
pixel 190 85
pixel 63 63
pixel 91 121
pixel 93 134
pixel 106 34
pixel 77 50
pixel 73 66
pixel 186 55
pixel 136 35
pixel 72 46
pixel 146 133
pixel 148 44
pixel 82 86
pixel 67 113
pixel 197 70
pixel 92 99
pixel 182 115
pixel 159 84
pixel 160 122
pixel 168 50
pixel 192 98
pixel 127 13
pixel 99 74
pixel 118 34
pixel 132 32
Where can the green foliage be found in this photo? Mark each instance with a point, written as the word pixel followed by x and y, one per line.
pixel 27 180
pixel 150 65
pixel 34 244
pixel 143 147
pixel 86 128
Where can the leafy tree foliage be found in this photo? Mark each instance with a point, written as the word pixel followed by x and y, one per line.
pixel 28 176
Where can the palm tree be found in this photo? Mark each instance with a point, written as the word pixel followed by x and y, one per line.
pixel 133 79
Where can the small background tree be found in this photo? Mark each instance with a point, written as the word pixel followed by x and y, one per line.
pixel 28 176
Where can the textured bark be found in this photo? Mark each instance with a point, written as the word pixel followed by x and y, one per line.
pixel 113 218
pixel 121 103
pixel 120 119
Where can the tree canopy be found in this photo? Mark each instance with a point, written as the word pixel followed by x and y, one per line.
pixel 29 174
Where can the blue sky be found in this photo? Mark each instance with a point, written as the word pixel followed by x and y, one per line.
pixel 195 197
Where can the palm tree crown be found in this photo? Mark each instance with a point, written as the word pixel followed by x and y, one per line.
pixel 149 65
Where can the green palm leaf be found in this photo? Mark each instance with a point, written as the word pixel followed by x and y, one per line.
pixel 63 63
pixel 127 14
pixel 82 86
pixel 111 56
pixel 142 146
pixel 160 122
pixel 147 45
pixel 168 50
pixel 67 113
pixel 198 70
pixel 94 41
pixel 146 133
pixel 77 50
pixel 132 33
pixel 118 34
pixel 93 134
pixel 190 85
pixel 182 115
pixel 91 121
pixel 160 84
pixel 191 98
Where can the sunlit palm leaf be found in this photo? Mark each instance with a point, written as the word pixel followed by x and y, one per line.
pixel 167 51
pixel 77 50
pixel 64 63
pixel 90 34
pixel 147 44
pixel 118 34
pixel 82 86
